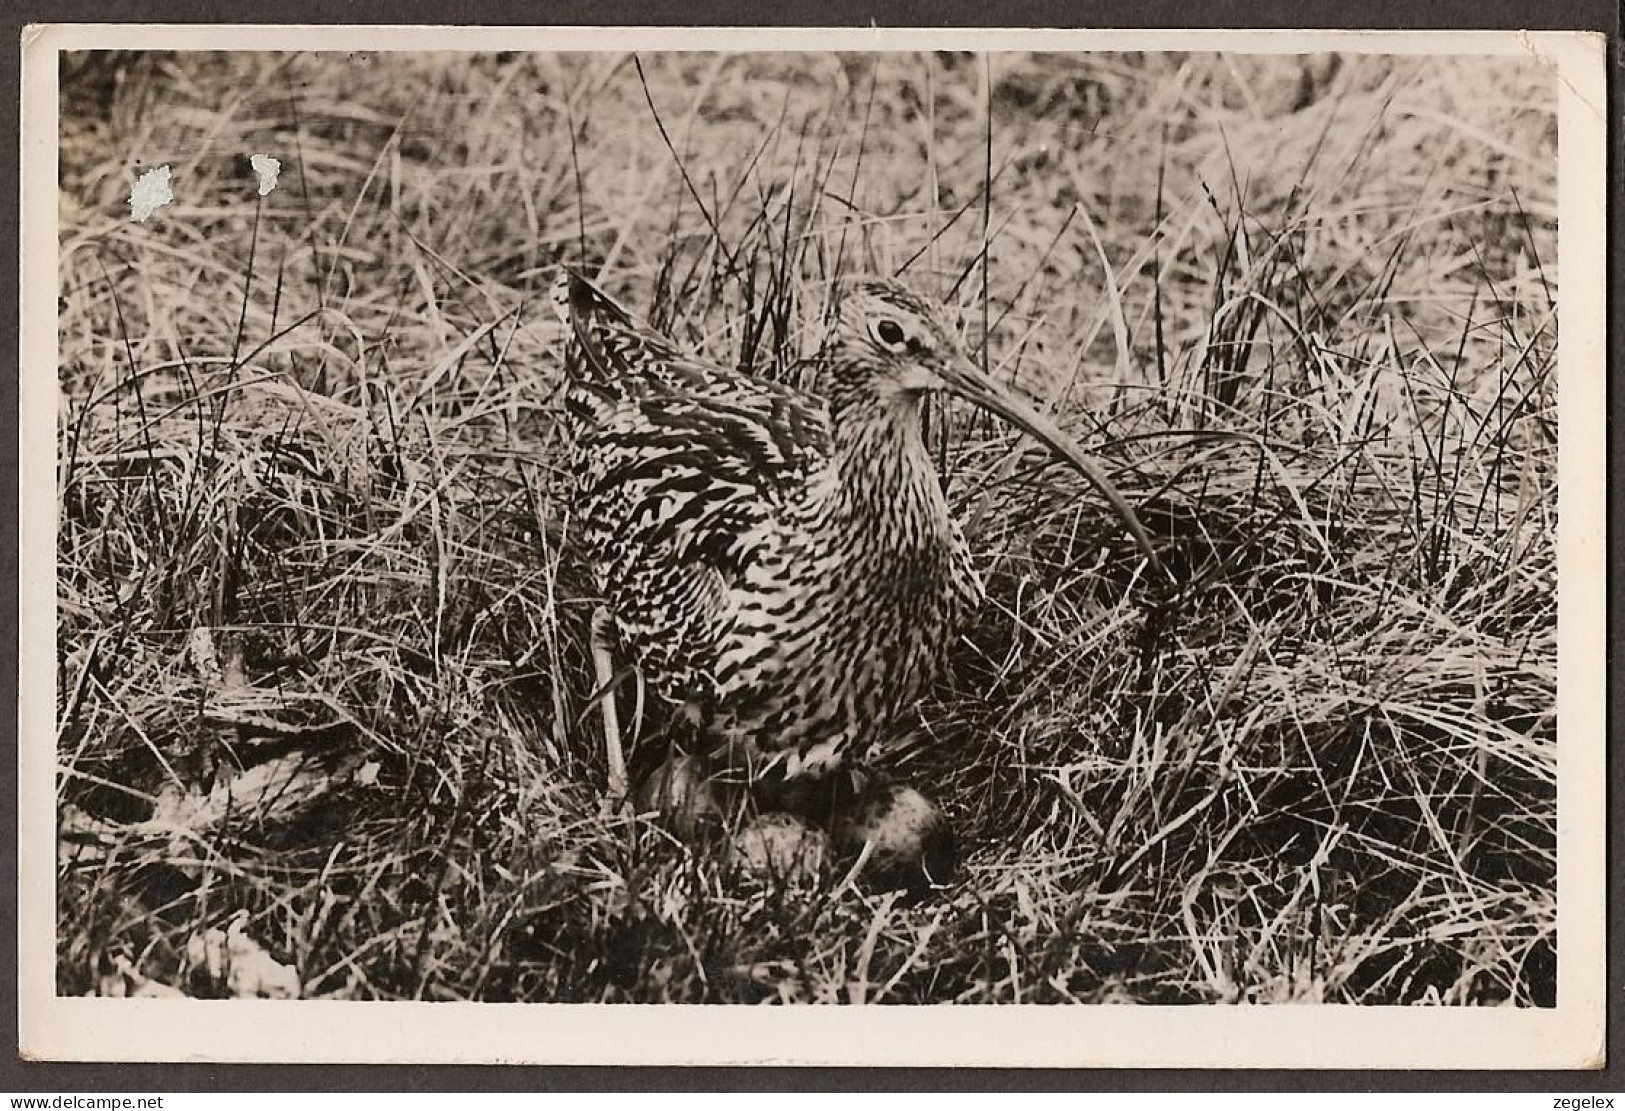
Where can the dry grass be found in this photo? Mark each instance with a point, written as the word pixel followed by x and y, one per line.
pixel 313 555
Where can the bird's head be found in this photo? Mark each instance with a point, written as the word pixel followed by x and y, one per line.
pixel 891 346
pixel 889 343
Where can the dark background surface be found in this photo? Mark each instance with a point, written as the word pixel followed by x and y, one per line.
pixel 19 1076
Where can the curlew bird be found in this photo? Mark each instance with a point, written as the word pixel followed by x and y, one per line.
pixel 781 564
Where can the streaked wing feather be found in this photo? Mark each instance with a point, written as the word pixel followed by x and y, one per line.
pixel 685 469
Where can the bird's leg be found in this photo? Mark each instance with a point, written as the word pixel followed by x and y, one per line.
pixel 637 709
pixel 604 668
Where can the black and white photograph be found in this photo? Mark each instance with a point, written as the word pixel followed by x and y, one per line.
pixel 911 520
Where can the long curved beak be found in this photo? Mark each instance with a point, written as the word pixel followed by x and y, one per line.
pixel 961 376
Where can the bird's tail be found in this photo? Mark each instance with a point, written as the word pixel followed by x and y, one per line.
pixel 594 324
pixel 577 301
pixel 601 348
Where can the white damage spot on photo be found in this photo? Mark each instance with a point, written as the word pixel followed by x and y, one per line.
pixel 150 192
pixel 266 169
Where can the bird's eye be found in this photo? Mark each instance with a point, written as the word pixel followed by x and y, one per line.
pixel 890 334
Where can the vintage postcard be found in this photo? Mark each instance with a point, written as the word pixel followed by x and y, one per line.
pixel 533 538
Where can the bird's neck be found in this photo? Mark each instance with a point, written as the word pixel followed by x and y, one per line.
pixel 886 482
